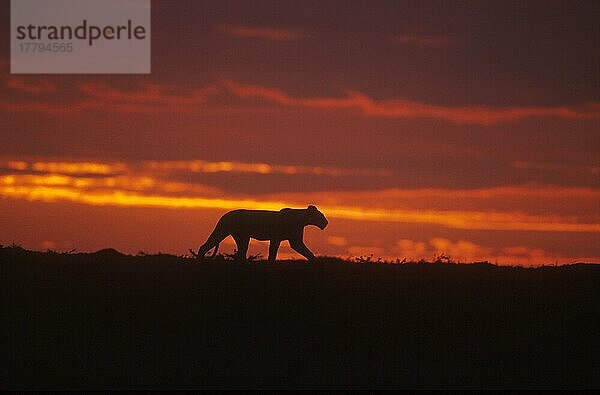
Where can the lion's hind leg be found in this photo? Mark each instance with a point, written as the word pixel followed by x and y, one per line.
pixel 273 247
pixel 242 242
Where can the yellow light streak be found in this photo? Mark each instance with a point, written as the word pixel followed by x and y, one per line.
pixel 453 219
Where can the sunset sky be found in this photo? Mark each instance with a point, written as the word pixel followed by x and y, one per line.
pixel 470 128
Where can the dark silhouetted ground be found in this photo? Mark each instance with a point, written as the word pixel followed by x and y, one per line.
pixel 105 321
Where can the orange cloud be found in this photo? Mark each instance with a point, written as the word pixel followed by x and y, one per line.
pixel 270 34
pixel 192 166
pixel 397 108
pixel 463 250
pixel 200 166
pixel 390 197
pixel 148 99
pixel 149 94
pixel 337 241
pixel 83 184
pixel 50 108
pixel 17 165
pixel 73 167
pixel 24 85
pixel 461 219
pixel 152 99
pixel 467 251
pixel 413 250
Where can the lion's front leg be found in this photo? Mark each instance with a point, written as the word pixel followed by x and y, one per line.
pixel 300 247
pixel 273 247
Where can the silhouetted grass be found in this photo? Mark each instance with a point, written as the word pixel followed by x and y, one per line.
pixel 105 320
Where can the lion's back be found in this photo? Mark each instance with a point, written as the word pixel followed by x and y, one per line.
pixel 255 223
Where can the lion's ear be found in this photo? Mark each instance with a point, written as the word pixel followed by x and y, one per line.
pixel 313 208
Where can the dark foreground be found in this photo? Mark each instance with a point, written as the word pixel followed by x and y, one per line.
pixel 102 321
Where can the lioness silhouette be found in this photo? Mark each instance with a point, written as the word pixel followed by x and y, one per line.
pixel 275 226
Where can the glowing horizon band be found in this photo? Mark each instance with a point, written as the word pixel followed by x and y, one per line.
pixel 474 220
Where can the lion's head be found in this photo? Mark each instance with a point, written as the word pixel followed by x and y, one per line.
pixel 315 217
